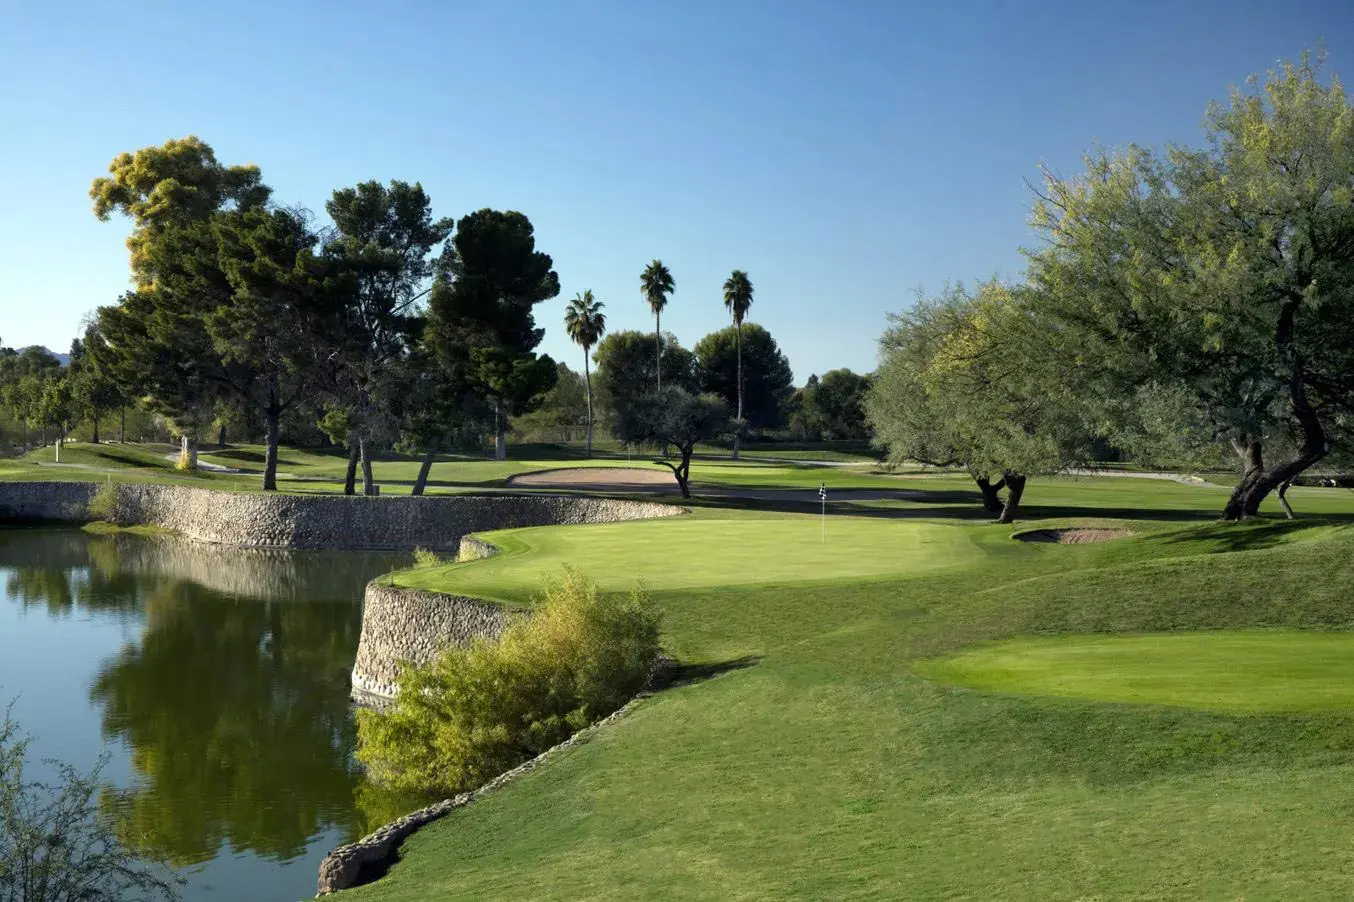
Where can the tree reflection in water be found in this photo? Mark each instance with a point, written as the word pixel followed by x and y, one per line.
pixel 233 700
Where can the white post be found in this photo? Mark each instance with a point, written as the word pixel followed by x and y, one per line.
pixel 822 496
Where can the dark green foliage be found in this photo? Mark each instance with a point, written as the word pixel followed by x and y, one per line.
pixel 96 391
pixel 677 417
pixel 768 380
pixel 626 364
pixel 831 408
pixel 563 412
pixel 478 711
pixel 480 318
pixel 378 261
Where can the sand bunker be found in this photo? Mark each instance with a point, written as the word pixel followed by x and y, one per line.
pixel 1074 536
pixel 598 479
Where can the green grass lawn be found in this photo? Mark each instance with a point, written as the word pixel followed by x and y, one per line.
pixel 1281 670
pixel 802 755
pixel 705 549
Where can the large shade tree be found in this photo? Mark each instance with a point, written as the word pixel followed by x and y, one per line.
pixel 627 366
pixel 157 333
pixel 481 320
pixel 677 417
pixel 961 382
pixel 586 324
pixel 752 362
pixel 656 284
pixel 1222 276
pixel 831 407
pixel 384 251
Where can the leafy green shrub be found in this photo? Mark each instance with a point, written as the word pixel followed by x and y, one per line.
pixel 424 557
pixel 104 504
pixel 477 711
pixel 55 845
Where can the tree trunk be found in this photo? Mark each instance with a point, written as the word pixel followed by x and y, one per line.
pixel 1314 448
pixel 423 470
pixel 738 429
pixel 1283 500
pixel 368 484
pixel 991 493
pixel 1252 457
pixel 1015 487
pixel 271 414
pixel 500 432
pixel 221 432
pixel 94 421
pixel 587 382
pixel 658 343
pixel 683 470
pixel 122 426
pixel 350 478
pixel 188 452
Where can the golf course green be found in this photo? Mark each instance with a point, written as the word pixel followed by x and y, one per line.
pixel 704 548
pixel 1218 671
pixel 1162 716
pixel 904 703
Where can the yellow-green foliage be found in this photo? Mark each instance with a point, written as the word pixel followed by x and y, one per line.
pixel 477 711
pixel 104 504
pixel 424 557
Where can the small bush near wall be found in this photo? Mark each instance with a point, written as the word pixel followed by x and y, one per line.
pixel 104 504
pixel 477 711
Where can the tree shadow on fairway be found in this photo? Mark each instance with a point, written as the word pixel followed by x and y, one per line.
pixel 1253 534
pixel 691 674
pixel 953 504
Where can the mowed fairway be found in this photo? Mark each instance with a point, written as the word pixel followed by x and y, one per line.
pixel 704 549
pixel 1217 671
pixel 802 755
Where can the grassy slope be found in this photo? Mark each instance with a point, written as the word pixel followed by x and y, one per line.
pixel 1284 670
pixel 806 758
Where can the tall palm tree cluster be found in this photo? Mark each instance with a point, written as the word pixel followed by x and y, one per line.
pixel 586 324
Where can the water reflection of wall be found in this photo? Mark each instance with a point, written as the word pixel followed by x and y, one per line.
pixel 232 698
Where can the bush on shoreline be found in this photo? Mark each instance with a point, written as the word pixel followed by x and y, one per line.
pixel 477 711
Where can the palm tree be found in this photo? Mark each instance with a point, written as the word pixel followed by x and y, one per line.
pixel 586 324
pixel 656 284
pixel 738 298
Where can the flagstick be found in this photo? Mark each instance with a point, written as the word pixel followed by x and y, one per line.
pixel 822 495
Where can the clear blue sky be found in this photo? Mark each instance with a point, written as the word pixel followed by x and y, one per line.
pixel 843 153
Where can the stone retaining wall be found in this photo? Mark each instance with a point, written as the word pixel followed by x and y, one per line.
pixel 413 625
pixel 315 521
pixel 66 502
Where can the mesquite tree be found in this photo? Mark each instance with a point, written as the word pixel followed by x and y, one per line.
pixel 1221 275
pixel 677 417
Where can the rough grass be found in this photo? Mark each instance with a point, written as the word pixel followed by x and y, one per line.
pixel 802 755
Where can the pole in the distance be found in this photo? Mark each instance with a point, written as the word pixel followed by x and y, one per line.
pixel 822 496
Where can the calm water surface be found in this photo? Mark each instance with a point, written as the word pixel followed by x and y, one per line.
pixel 216 680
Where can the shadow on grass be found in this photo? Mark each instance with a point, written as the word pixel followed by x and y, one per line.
pixel 950 504
pixel 1256 533
pixel 690 674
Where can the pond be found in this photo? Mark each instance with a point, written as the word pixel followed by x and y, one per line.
pixel 216 682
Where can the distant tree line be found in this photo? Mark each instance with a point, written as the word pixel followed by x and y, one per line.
pixel 387 328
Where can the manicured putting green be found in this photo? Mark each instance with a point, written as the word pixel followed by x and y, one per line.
pixel 1252 671
pixel 690 551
